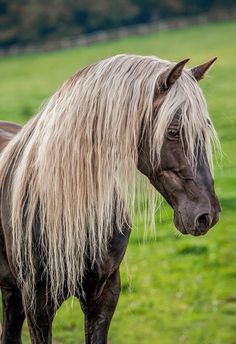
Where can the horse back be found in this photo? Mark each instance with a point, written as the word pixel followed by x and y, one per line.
pixel 7 131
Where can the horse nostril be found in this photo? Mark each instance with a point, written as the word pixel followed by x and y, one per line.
pixel 202 222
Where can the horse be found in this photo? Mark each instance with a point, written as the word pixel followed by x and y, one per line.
pixel 68 181
pixel 7 131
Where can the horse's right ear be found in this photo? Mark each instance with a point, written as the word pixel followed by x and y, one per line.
pixel 172 75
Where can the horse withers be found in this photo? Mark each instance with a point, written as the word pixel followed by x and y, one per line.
pixel 66 186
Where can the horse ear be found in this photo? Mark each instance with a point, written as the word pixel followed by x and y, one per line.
pixel 173 74
pixel 200 71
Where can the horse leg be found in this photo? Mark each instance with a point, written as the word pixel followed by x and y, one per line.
pixel 12 308
pixel 99 312
pixel 40 317
pixel 101 289
pixel 13 316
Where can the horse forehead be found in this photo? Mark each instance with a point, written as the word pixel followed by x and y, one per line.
pixel 158 100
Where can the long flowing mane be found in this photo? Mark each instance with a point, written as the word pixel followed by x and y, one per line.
pixel 72 165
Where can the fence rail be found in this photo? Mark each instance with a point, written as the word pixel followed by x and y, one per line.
pixel 101 36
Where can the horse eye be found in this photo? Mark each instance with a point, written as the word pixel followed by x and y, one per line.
pixel 173 132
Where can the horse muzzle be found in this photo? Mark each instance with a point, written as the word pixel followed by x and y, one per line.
pixel 195 225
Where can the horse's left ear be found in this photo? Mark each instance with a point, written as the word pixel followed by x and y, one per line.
pixel 200 71
pixel 173 75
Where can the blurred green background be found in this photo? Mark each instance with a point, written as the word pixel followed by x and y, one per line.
pixel 175 289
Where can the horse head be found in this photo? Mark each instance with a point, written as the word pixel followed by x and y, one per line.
pixel 187 184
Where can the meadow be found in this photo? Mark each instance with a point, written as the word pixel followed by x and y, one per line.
pixel 175 289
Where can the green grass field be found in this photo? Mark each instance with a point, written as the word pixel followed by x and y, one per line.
pixel 176 289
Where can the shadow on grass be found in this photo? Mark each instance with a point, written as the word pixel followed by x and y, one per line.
pixel 228 203
pixel 193 249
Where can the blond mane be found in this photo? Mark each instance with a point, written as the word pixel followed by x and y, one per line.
pixel 73 164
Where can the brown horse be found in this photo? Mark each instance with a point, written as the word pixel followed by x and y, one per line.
pixel 7 131
pixel 64 185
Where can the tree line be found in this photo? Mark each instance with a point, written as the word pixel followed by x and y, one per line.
pixel 27 21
